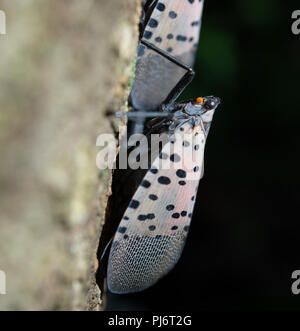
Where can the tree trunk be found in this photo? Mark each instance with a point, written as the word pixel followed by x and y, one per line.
pixel 63 65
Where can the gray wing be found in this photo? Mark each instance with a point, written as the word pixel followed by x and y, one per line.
pixel 174 27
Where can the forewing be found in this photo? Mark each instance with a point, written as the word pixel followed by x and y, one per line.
pixel 174 27
pixel 152 233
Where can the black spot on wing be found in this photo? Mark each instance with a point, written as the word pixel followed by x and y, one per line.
pixel 145 183
pixel 160 6
pixel 153 23
pixel 163 156
pixel 170 207
pixel 170 36
pixel 134 204
pixel 122 229
pixel 164 180
pixel 153 170
pixel 172 14
pixel 175 157
pixel 147 34
pixel 153 197
pixel 181 173
pixel 181 38
pixel 142 217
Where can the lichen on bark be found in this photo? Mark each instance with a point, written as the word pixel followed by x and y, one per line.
pixel 63 64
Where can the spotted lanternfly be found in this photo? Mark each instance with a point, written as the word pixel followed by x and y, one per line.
pixel 172 26
pixel 153 230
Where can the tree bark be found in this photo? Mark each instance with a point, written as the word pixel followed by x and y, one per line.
pixel 63 65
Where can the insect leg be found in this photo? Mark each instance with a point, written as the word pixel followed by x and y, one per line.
pixel 153 125
pixel 135 114
pixel 106 250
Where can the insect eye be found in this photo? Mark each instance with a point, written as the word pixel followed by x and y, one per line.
pixel 199 100
pixel 210 104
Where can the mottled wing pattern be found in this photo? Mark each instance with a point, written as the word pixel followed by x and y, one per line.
pixel 153 230
pixel 174 27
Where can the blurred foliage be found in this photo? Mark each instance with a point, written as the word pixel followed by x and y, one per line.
pixel 246 210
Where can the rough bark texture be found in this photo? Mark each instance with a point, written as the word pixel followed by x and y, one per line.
pixel 63 64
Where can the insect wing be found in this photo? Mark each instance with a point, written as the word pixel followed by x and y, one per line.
pixel 153 230
pixel 174 27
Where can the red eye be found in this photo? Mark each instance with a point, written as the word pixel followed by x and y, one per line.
pixel 199 100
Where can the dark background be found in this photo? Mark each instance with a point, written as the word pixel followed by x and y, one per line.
pixel 243 244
